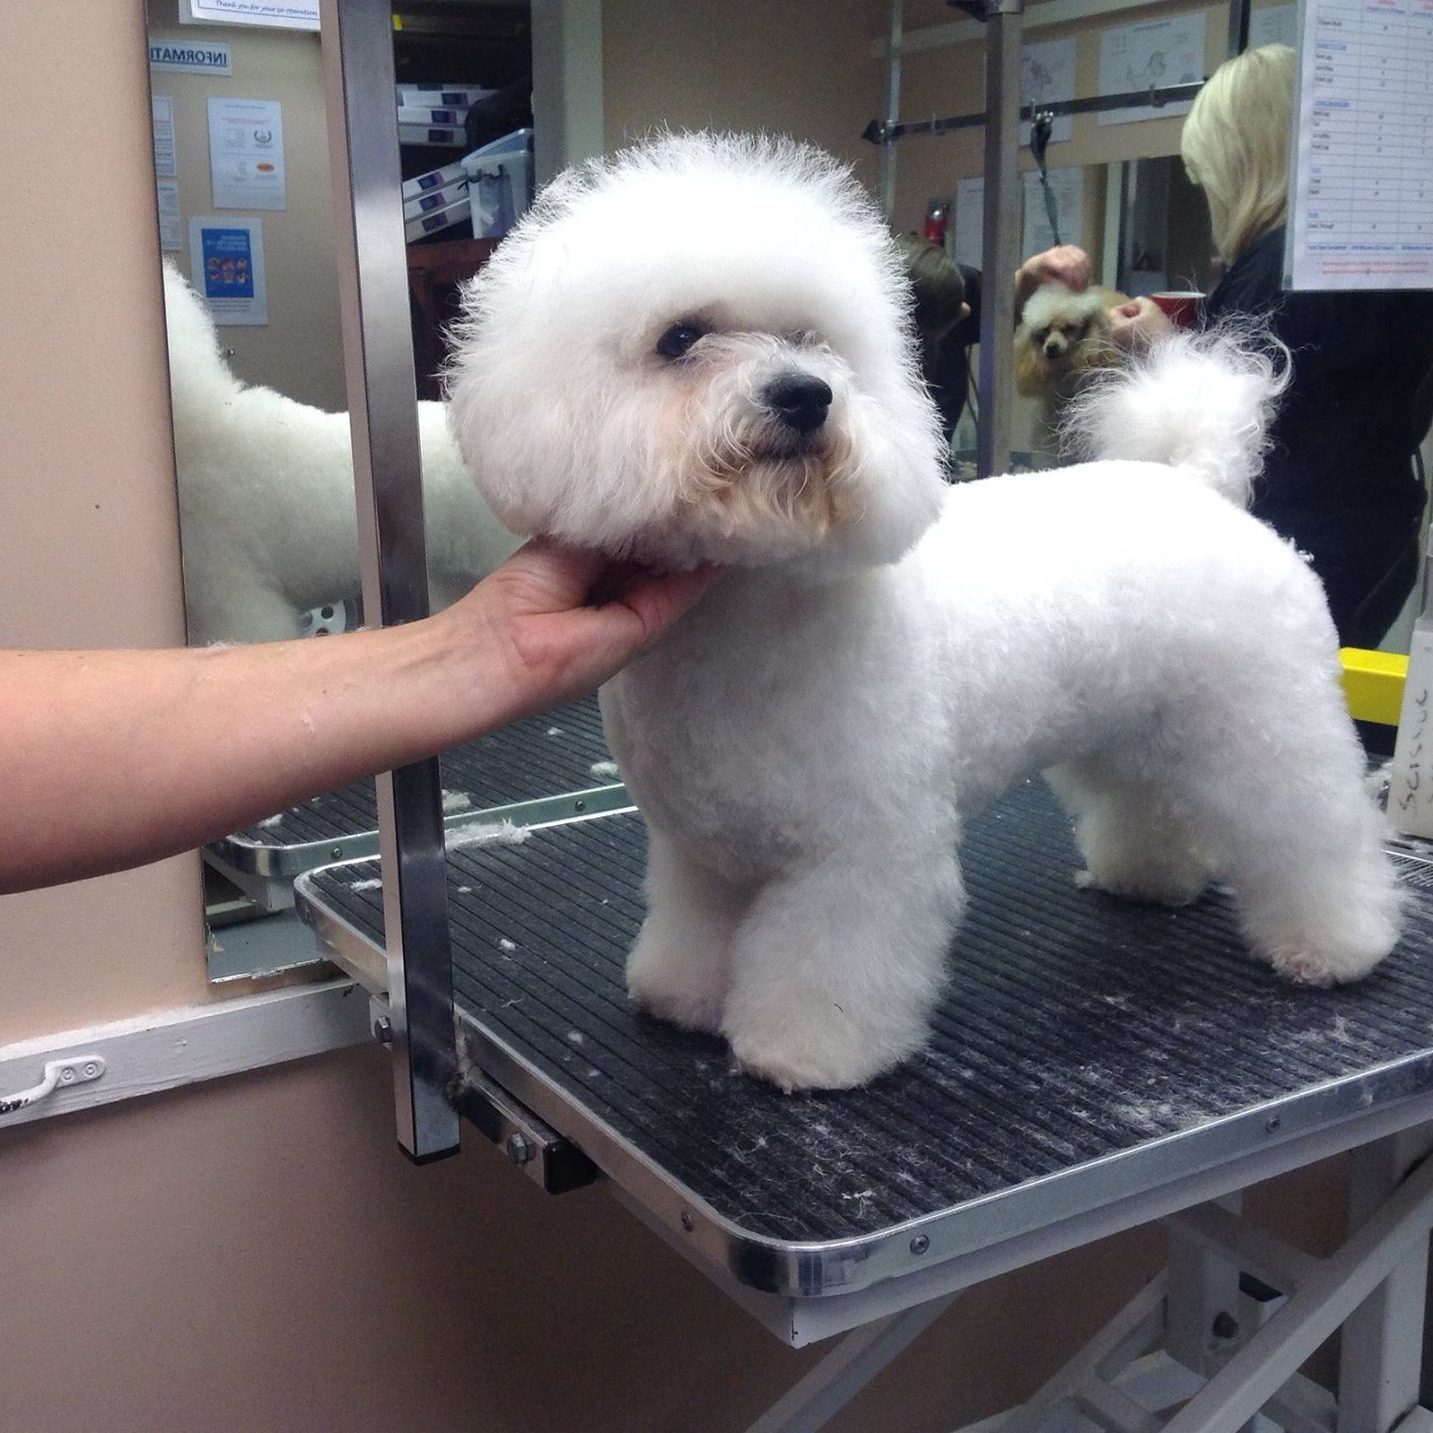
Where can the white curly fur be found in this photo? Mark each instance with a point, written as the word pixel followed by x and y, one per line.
pixel 1199 400
pixel 885 655
pixel 266 505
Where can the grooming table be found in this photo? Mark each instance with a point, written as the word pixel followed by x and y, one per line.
pixel 1094 1065
pixel 534 770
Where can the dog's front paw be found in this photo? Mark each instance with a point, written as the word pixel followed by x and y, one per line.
pixel 689 993
pixel 823 1051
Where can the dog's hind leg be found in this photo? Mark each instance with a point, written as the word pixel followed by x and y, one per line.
pixel 680 966
pixel 1134 843
pixel 835 970
pixel 1275 792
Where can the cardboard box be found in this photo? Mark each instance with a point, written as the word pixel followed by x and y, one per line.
pixel 440 134
pixel 433 179
pixel 437 221
pixel 435 199
pixel 444 95
pixel 417 114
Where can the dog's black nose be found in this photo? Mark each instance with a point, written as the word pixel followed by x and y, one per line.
pixel 799 400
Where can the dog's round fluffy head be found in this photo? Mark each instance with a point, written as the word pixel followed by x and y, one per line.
pixel 1063 334
pixel 700 351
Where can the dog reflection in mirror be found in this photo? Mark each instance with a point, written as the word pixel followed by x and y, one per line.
pixel 1062 340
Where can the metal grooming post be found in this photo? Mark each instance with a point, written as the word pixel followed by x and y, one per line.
pixel 886 170
pixel 1238 27
pixel 1000 246
pixel 382 404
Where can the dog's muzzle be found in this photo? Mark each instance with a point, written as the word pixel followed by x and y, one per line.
pixel 798 400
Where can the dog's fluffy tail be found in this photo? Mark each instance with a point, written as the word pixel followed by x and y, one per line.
pixel 1201 402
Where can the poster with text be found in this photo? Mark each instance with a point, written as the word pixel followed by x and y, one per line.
pixel 226 259
pixel 246 153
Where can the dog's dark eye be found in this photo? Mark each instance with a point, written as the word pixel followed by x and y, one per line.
pixel 1041 335
pixel 679 338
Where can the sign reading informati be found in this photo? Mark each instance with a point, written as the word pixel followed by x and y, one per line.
pixel 1362 203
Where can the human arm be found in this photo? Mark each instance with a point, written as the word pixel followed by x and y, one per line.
pixel 110 759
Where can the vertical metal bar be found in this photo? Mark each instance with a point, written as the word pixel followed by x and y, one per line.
pixel 1202 1285
pixel 1000 244
pixel 1381 1349
pixel 378 364
pixel 1238 40
pixel 886 172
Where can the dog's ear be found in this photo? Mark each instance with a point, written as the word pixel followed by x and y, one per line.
pixel 1031 380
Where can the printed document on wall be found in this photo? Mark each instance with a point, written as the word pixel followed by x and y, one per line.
pixel 1047 73
pixel 1361 207
pixel 246 154
pixel 1150 57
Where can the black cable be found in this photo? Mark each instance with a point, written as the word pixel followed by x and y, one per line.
pixel 1042 125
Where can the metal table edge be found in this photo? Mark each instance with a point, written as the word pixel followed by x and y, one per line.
pixel 341 941
pixel 258 858
pixel 804 1270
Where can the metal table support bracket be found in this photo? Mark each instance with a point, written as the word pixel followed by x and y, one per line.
pixel 358 70
pixel 1238 1355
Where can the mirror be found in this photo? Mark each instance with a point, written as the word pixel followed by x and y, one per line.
pixel 257 492
pixel 268 524
pixel 1148 229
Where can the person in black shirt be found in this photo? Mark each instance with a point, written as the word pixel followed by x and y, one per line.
pixel 1339 478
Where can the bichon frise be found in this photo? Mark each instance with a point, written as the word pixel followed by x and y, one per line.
pixel 700 352
pixel 266 505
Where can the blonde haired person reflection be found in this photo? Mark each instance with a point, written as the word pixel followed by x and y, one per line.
pixel 1339 479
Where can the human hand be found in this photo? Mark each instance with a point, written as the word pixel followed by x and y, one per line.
pixel 1066 264
pixel 1136 324
pixel 553 622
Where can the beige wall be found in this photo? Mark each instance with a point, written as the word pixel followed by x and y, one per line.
pixel 802 68
pixel 89 554
pixel 254 1253
pixel 300 350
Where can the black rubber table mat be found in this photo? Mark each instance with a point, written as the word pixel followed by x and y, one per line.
pixel 543 756
pixel 1075 1026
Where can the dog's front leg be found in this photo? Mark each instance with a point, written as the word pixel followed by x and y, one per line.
pixel 835 970
pixel 680 966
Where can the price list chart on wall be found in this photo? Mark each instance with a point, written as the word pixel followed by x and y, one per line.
pixel 1361 211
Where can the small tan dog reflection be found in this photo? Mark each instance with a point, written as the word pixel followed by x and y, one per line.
pixel 1063 337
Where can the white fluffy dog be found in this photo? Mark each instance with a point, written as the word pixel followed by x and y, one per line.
pixel 700 352
pixel 266 503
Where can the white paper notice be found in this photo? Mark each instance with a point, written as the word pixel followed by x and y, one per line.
pixel 1068 186
pixel 275 14
pixel 171 222
pixel 1362 203
pixel 1149 57
pixel 969 219
pixel 1274 25
pixel 1047 72
pixel 162 108
pixel 226 262
pixel 246 154
pixel 1410 786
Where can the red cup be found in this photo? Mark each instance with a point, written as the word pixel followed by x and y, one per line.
pixel 1182 308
